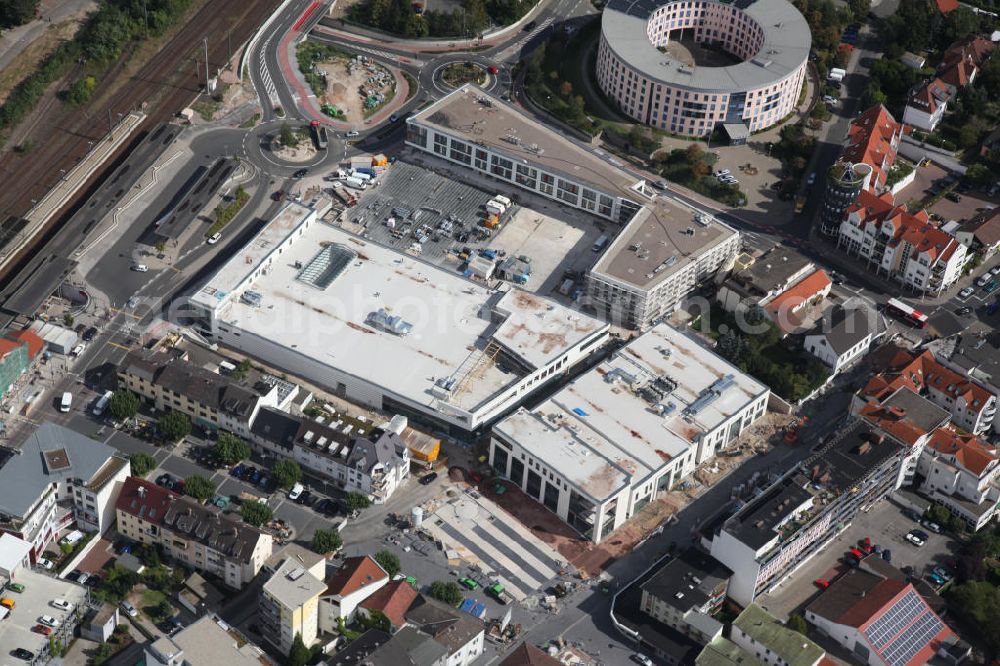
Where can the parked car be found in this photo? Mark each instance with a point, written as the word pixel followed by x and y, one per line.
pixel 943 573
pixel 954 197
pixel 254 477
pixel 45 563
pixel 214 238
pixel 62 604
pixel 238 470
pixel 89 334
pixel 887 555
pixel 428 479
pixel 21 653
pixel 965 293
pixel 920 533
pixel 530 25
pixel 15 587
pixel 963 311
pixel 300 173
pixel 129 608
pixel 821 584
pixel 811 180
pixel 642 659
pixel 468 582
pixel 995 270
pixel 42 629
pixel 139 268
pixel 48 620
pixel 914 539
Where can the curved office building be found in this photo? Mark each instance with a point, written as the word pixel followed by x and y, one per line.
pixel 691 65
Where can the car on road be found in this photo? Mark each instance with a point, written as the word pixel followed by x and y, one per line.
pixel 961 312
pixel 642 659
pixel 327 507
pixel 45 563
pixel 129 608
pixel 301 173
pixel 811 180
pixel 914 539
pixel 352 133
pixel 394 117
pixel 493 69
pixel 722 172
pixel 48 620
pixel 15 587
pixel 530 25
pixel 821 583
pixel 660 184
pixel 468 582
pixel 90 334
pixel 214 238
pixel 139 268
pixel 965 293
pixel 428 479
pixel 21 653
pixel 279 195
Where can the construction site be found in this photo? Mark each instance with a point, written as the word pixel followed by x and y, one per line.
pixel 356 87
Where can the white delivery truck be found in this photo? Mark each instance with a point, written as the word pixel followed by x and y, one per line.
pixel 66 402
pixel 355 183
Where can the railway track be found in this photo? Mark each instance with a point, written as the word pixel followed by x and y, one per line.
pixel 61 135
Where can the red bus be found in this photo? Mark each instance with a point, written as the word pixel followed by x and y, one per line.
pixel 904 312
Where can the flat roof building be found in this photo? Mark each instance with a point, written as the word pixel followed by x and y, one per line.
pixel 793 518
pixel 465 355
pixel 602 447
pixel 666 247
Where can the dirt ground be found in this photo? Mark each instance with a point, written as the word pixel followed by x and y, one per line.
pixel 346 82
pixel 304 152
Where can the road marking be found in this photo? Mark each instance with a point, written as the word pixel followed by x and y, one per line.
pixel 115 344
pixel 123 312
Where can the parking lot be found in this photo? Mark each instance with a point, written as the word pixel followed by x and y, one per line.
pixel 446 212
pixel 36 600
pixel 885 525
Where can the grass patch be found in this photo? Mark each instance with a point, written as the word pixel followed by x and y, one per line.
pixel 225 214
pixel 308 54
pixel 457 74
pixel 152 597
pixel 206 108
pixel 411 84
pixel 250 122
pixel 692 168
pixel 26 61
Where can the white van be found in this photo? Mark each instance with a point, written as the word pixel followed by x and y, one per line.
pixel 72 538
pixel 296 491
pixel 102 403
pixel 66 402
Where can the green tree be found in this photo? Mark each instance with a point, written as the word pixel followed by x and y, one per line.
pixel 256 513
pixel 123 404
pixel 326 541
pixel 16 12
pixel 286 472
pixel 142 463
pixel 287 136
pixel 68 320
pixel 230 449
pixel 81 90
pixel 174 425
pixel 979 604
pixel 118 583
pixel 298 654
pixel 797 623
pixel 163 610
pixel 55 647
pixel 448 592
pixel 199 487
pixel 357 501
pixel 388 561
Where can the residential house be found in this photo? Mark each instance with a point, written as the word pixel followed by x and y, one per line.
pixel 795 517
pixel 958 68
pixel 199 536
pixel 407 647
pixel 357 579
pixel 686 593
pixel 391 602
pixel 845 334
pixel 460 634
pixel 527 654
pixel 59 477
pixel 927 104
pixel 881 621
pixel 213 401
pixel 981 233
pixel 289 606
pixel 899 245
pixel 758 633
pixel 273 431
pixel 959 471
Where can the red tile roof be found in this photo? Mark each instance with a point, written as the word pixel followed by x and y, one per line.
pixel 922 372
pixel 969 451
pixel 392 600
pixel 870 139
pixel 893 421
pixel 528 655
pixel 34 342
pixel 876 601
pixel 7 346
pixel 930 95
pixel 946 6
pixel 959 73
pixel 145 500
pixel 354 573
pixel 781 309
pixel 975 49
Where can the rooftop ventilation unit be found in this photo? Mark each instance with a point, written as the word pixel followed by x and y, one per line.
pixel 389 323
pixel 253 298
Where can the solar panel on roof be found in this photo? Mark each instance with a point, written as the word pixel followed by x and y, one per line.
pixel 913 639
pixel 893 621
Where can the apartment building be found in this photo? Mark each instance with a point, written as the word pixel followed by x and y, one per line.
pixel 959 471
pixel 686 593
pixel 971 405
pixel 353 454
pixel 201 537
pixel 665 248
pixel 460 634
pixel 288 605
pixel 357 579
pixel 797 515
pixel 625 432
pixel 207 642
pixel 59 478
pixel 896 244
pixel 168 380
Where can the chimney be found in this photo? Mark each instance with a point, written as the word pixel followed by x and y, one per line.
pixel 141 491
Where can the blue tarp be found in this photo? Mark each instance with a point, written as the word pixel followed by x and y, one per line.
pixel 579 412
pixel 467 605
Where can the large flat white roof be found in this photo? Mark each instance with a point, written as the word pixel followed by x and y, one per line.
pixel 617 422
pixel 453 320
